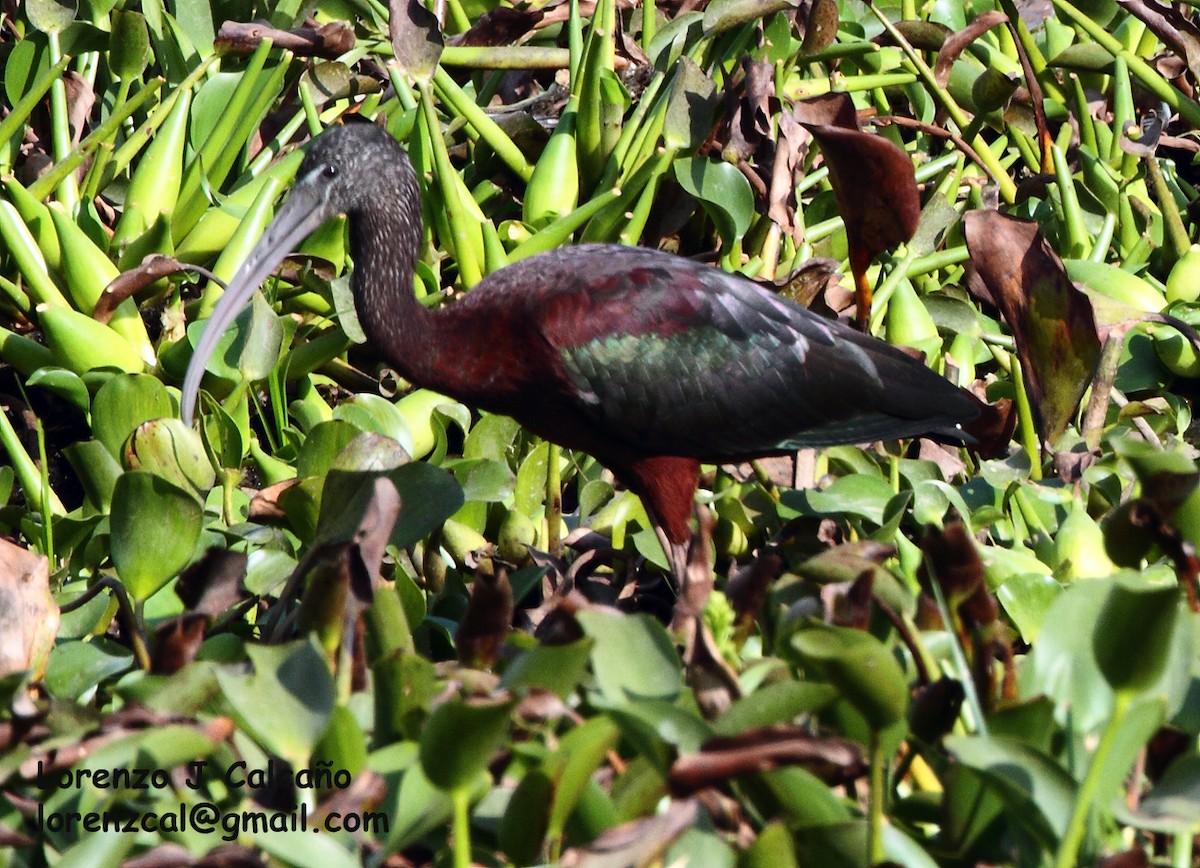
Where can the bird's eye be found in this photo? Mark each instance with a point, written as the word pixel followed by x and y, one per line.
pixel 331 171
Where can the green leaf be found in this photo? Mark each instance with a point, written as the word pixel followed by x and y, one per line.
pixel 527 818
pixel 1037 792
pixel 66 384
pixel 722 190
pixel 170 449
pixel 690 107
pixel 557 668
pixel 98 471
pixel 155 527
pixel 1172 806
pixel 857 494
pixel 287 702
pixel 1133 635
pixel 459 739
pixel 780 702
pixel 862 669
pixel 75 668
pixel 633 657
pixel 51 16
pixel 1026 598
pixel 129 45
pixel 123 403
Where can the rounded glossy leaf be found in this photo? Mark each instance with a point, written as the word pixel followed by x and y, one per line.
pixel 51 16
pixel 125 402
pixel 722 190
pixel 1133 634
pixel 155 527
pixel 286 703
pixel 860 667
pixel 170 449
pixel 66 384
pixel 460 738
pixel 633 657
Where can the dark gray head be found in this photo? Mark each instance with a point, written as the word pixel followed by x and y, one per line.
pixel 358 170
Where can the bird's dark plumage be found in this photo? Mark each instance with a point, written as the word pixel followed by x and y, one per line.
pixel 648 361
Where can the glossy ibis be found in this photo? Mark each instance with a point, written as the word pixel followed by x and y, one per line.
pixel 650 362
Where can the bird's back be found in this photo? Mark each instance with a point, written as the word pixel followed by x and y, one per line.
pixel 671 357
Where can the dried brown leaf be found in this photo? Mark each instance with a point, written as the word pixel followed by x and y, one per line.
pixel 328 41
pixel 28 614
pixel 485 626
pixel 176 642
pixel 820 28
pixel 957 42
pixel 957 567
pixel 213 585
pixel 1052 322
pixel 833 760
pixel 502 25
pixel 638 843
pixel 831 109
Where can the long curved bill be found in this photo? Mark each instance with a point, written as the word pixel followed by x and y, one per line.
pixel 302 212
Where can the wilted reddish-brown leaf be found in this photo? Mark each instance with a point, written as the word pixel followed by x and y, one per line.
pixel 834 760
pixel 956 43
pixel 830 109
pixel 1051 321
pixel 330 40
pixel 876 191
pixel 747 588
pixel 638 843
pixel 934 709
pixel 213 585
pixel 956 564
pixel 502 25
pixel 176 642
pixel 28 614
pixel 486 624
pixel 1135 858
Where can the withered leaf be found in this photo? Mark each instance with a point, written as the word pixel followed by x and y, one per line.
pixel 416 38
pixel 921 35
pixel 502 25
pixel 875 187
pixel 1052 322
pixel 28 614
pixel 957 42
pixel 957 567
pixel 330 40
pixel 934 709
pixel 485 626
pixel 176 642
pixel 833 760
pixel 153 268
pixel 641 842
pixel 213 584
pixel 830 109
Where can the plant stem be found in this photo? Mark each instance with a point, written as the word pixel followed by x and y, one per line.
pixel 553 501
pixel 462 828
pixel 956 651
pixel 1029 436
pixel 878 781
pixel 1068 849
